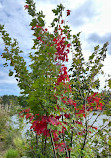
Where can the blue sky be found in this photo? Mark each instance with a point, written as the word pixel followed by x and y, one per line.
pixel 89 16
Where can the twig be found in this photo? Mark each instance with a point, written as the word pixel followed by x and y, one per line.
pixel 64 141
pixel 36 140
pixel 97 116
pixel 97 132
pixel 54 150
pixel 85 137
pixel 45 146
pixel 71 139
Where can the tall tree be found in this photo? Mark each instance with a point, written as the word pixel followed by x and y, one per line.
pixel 60 107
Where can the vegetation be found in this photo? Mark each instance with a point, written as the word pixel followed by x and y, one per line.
pixel 11 153
pixel 8 99
pixel 59 106
pixel 12 144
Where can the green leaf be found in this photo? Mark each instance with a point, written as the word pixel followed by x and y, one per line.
pixel 109 124
pixel 109 83
pixel 104 120
pixel 11 73
pixel 56 19
pixel 55 11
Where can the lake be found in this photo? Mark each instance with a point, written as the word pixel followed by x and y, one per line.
pixel 99 122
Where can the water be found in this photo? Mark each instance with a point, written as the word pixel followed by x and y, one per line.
pixel 15 124
pixel 98 123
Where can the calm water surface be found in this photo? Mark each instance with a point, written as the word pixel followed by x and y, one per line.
pixel 99 122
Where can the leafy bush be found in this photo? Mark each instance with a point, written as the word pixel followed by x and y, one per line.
pixel 12 153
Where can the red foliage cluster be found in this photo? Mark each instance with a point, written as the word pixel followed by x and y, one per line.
pixel 93 99
pixel 60 147
pixel 40 125
pixel 80 111
pixel 24 112
pixel 63 76
pixel 94 104
pixel 68 101
pixel 93 127
pixel 27 114
pixel 62 49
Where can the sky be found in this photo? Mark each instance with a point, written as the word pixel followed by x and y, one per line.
pixel 90 17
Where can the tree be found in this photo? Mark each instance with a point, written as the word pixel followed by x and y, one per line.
pixel 60 107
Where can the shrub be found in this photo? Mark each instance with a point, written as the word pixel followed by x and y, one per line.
pixel 12 153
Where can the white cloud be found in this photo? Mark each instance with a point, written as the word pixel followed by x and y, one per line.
pixel 5 79
pixel 8 81
pixel 16 22
pixel 107 65
pixel 1 6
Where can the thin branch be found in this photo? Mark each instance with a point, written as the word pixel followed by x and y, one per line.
pixel 90 117
pixel 36 140
pixel 85 137
pixel 97 132
pixel 42 145
pixel 71 140
pixel 45 146
pixel 64 141
pixel 97 116
pixel 54 150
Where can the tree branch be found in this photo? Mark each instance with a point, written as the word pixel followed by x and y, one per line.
pixel 54 150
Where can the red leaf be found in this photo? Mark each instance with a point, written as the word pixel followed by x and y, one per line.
pixel 95 128
pixel 58 117
pixel 26 6
pixel 69 149
pixel 62 21
pixel 28 115
pixel 68 12
pixel 31 118
pixel 60 146
pixel 33 27
pixel 64 128
pixel 27 110
pixel 84 115
pixel 67 115
pixel 68 45
pixel 55 134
